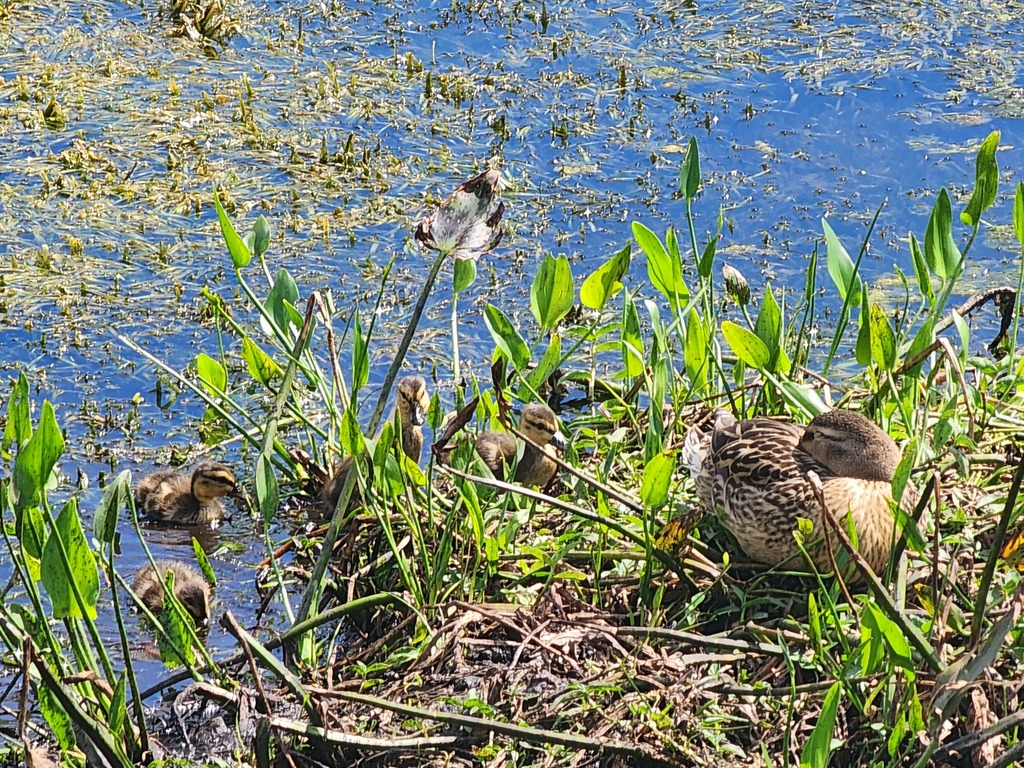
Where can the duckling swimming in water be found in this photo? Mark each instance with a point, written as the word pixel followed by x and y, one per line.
pixel 411 405
pixel 190 588
pixel 754 473
pixel 175 497
pixel 536 467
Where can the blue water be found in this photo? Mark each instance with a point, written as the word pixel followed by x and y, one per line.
pixel 802 111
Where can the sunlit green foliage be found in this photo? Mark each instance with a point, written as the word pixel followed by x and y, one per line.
pixel 434 550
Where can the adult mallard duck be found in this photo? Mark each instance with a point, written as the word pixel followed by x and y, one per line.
pixel 186 499
pixel 536 467
pixel 411 405
pixel 190 588
pixel 754 472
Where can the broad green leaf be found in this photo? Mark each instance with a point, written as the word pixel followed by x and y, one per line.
pixel 803 397
pixel 204 562
pixel 924 280
pixel 707 258
pixel 55 717
pixel 281 302
pixel 268 496
pixel 360 356
pixel 258 239
pixel 986 181
pixel 537 376
pixel 813 624
pixel 964 332
pixel 922 340
pixel 916 541
pixel 664 271
pixel 386 438
pixel 261 366
pixel 175 642
pixel 384 464
pixel 464 274
pixel 350 435
pixel 940 251
pixel 68 531
pixel 696 353
pixel 657 479
pixel 897 734
pixel 212 374
pixel 116 714
pixel 841 267
pixel 883 340
pixel 746 345
pixel 32 535
pixel 768 325
pixel 605 281
pixel 507 337
pixel 818 747
pixel 411 469
pixel 19 419
pixel 875 622
pixel 689 174
pixel 115 498
pixel 36 459
pixel 239 251
pixel 632 343
pixel 553 292
pixel 1018 213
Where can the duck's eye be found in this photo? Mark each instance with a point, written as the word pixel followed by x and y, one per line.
pixel 808 437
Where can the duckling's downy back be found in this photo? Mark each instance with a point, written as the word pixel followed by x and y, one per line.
pixel 186 499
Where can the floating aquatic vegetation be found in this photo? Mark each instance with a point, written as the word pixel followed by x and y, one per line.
pixel 203 19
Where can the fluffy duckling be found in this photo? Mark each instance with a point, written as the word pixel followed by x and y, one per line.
pixel 190 588
pixel 754 473
pixel 536 467
pixel 175 497
pixel 411 405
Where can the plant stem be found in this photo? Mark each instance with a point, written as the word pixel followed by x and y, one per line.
pixel 315 588
pixel 456 373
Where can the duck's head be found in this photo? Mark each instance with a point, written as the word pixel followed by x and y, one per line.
pixel 413 400
pixel 851 446
pixel 211 480
pixel 194 598
pixel 539 423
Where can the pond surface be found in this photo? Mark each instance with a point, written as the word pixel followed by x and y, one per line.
pixel 336 120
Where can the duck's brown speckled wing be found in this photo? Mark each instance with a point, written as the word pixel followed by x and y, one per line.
pixel 758 484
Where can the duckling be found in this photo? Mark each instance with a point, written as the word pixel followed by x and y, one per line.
pixel 411 405
pixel 175 497
pixel 190 588
pixel 536 467
pixel 754 473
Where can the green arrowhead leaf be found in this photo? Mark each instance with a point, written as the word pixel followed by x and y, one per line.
pixel 237 249
pixel 553 292
pixel 986 181
pixel 605 281
pixel 746 345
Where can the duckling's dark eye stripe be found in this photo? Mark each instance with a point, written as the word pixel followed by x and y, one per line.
pixel 540 426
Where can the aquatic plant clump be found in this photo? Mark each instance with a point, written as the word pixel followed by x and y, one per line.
pixel 450 607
